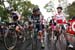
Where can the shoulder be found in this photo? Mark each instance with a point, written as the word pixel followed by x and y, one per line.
pixel 63 14
pixel 41 16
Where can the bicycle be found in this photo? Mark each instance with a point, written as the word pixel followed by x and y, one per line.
pixel 3 30
pixel 54 36
pixel 36 36
pixel 61 32
pixel 12 36
pixel 51 35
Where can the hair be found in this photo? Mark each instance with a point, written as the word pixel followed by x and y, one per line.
pixel 35 9
pixel 60 8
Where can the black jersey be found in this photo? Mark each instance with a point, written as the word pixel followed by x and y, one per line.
pixel 52 22
pixel 34 19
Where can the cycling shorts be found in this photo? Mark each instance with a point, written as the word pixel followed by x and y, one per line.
pixel 39 27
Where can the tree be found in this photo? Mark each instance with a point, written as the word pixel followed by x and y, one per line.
pixel 71 10
pixel 49 6
pixel 23 7
pixel 3 13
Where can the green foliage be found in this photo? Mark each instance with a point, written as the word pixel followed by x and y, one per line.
pixel 3 13
pixel 23 7
pixel 49 6
pixel 71 10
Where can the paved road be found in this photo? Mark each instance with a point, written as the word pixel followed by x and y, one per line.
pixel 27 45
pixel 60 45
pixel 51 45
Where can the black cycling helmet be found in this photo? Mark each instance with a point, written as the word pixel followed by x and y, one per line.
pixel 73 18
pixel 36 9
pixel 60 8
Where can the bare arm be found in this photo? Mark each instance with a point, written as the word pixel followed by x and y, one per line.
pixel 19 16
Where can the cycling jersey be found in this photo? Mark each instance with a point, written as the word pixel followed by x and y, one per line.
pixel 60 18
pixel 52 24
pixel 36 21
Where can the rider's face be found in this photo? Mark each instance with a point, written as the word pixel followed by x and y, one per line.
pixel 37 13
pixel 59 10
pixel 52 17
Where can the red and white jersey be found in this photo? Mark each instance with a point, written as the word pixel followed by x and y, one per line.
pixel 60 18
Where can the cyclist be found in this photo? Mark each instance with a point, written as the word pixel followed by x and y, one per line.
pixel 16 18
pixel 35 20
pixel 52 26
pixel 60 19
pixel 52 21
pixel 14 14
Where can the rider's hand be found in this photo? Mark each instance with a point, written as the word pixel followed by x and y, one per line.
pixel 31 26
pixel 49 27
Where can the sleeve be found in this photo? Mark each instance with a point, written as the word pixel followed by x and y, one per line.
pixel 18 14
pixel 64 17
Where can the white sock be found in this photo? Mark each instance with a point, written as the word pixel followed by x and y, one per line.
pixel 70 45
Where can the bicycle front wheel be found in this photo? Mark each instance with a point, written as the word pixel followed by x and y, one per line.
pixel 10 39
